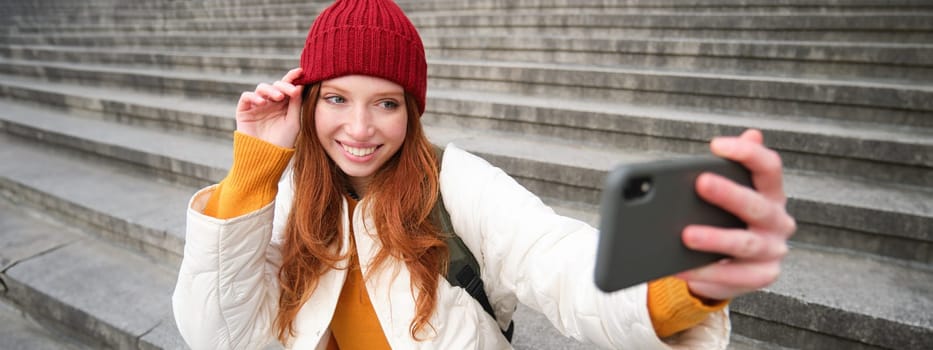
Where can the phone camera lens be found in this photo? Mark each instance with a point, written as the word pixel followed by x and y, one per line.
pixel 645 187
pixel 637 188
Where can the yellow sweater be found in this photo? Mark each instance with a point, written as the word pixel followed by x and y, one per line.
pixel 253 183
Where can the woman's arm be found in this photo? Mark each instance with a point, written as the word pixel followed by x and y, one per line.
pixel 226 296
pixel 227 291
pixel 546 260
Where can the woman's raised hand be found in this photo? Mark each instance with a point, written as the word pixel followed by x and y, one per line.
pixel 756 252
pixel 271 112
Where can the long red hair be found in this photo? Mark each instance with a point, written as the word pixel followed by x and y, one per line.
pixel 401 196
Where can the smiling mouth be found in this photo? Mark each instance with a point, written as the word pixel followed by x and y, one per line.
pixel 359 151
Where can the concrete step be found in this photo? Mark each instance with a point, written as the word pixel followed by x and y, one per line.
pixel 125 205
pixel 55 5
pixel 839 294
pixel 92 16
pixel 903 104
pixel 869 27
pixel 171 113
pixel 888 61
pixel 824 293
pixel 106 295
pixel 784 6
pixel 740 342
pixel 181 158
pixel 830 212
pixel 882 62
pixel 448 104
pixel 290 43
pixel 758 26
pixel 20 331
pixel 894 218
pixel 876 26
pixel 818 36
pixel 287 21
pixel 627 24
pixel 877 151
pixel 193 9
pixel 229 63
pixel 151 80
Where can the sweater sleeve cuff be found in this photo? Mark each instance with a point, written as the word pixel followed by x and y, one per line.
pixel 257 166
pixel 253 179
pixel 673 308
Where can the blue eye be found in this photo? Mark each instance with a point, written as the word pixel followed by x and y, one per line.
pixel 335 99
pixel 388 104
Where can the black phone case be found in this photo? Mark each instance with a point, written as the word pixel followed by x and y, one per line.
pixel 640 240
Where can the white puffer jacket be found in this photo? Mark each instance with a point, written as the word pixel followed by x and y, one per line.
pixel 227 291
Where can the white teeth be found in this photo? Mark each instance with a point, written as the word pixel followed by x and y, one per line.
pixel 359 152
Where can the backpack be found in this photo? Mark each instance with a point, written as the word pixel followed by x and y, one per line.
pixel 462 269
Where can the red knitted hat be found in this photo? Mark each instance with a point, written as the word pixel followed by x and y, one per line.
pixel 367 37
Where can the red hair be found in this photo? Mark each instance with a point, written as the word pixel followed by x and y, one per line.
pixel 400 196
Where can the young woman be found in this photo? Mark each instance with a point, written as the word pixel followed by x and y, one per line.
pixel 320 235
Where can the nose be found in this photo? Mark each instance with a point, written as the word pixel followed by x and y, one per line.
pixel 360 124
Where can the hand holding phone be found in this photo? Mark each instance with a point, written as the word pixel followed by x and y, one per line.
pixel 645 208
pixel 756 252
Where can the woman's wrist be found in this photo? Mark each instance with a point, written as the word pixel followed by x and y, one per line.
pixel 673 308
pixel 253 179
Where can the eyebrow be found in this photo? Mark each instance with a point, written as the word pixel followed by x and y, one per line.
pixel 382 94
pixel 328 86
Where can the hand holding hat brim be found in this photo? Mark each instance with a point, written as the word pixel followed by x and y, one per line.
pixel 272 111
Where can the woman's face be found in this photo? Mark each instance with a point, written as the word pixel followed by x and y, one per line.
pixel 361 122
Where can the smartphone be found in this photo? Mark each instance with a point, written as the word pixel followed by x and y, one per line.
pixel 644 210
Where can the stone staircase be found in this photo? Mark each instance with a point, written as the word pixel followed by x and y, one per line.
pixel 114 112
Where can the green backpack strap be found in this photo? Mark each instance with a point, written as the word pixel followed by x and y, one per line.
pixel 462 269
